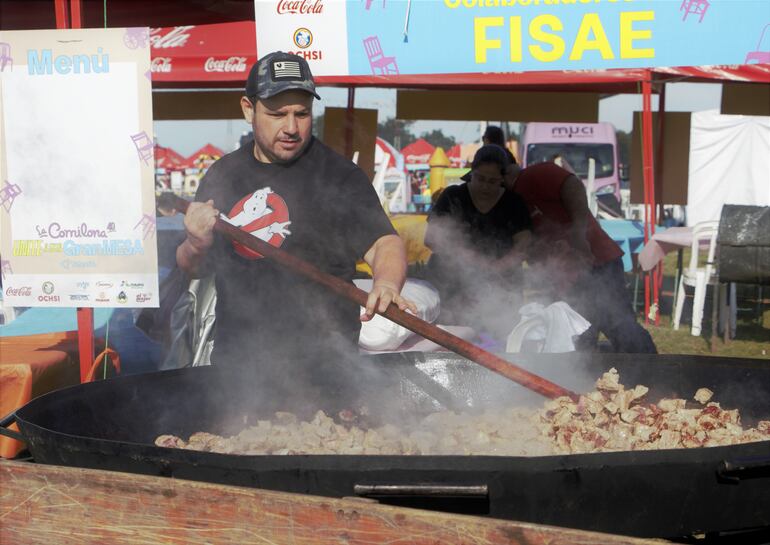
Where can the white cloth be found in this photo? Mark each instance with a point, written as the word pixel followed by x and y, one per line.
pixel 729 163
pixel 379 333
pixel 553 327
pixel 417 343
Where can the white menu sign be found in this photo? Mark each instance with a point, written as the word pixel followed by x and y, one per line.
pixel 77 193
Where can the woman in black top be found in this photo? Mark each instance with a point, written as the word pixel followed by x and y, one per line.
pixel 477 232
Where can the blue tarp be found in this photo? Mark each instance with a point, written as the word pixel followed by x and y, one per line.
pixel 629 235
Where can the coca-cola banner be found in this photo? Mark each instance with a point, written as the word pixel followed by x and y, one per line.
pixel 204 53
pixel 392 37
pixel 77 191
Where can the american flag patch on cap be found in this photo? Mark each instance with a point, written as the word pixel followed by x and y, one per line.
pixel 287 69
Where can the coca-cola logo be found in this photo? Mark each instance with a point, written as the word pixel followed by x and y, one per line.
pixel 233 64
pixel 24 291
pixel 174 38
pixel 161 64
pixel 299 7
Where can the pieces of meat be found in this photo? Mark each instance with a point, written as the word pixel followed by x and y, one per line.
pixel 170 441
pixel 610 418
pixel 510 433
pixel 613 418
pixel 703 395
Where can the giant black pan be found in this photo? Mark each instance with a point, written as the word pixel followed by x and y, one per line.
pixel 111 425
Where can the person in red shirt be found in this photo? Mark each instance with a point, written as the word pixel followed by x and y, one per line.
pixel 579 259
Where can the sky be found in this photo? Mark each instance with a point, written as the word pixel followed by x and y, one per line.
pixel 188 136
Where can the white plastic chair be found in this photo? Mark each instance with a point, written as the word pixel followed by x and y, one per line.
pixel 698 277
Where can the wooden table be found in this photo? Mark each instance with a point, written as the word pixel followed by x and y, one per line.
pixel 51 504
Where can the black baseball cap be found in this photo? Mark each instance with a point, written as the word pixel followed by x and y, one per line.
pixel 278 72
pixel 491 153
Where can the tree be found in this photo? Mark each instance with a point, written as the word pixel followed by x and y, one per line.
pixel 437 139
pixel 396 131
pixel 318 126
pixel 624 147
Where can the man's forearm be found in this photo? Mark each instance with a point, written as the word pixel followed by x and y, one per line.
pixel 190 259
pixel 388 262
pixel 387 258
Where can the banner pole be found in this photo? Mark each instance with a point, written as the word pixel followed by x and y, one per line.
pixel 85 316
pixel 649 184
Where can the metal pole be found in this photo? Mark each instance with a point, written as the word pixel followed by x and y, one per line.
pixel 649 182
pixel 76 19
pixel 60 9
pixel 85 315
pixel 658 185
pixel 349 122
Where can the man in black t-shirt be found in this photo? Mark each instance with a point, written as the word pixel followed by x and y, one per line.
pixel 291 190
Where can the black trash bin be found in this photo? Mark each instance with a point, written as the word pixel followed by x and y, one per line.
pixel 744 244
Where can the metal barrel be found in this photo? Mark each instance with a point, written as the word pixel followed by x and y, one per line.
pixel 744 244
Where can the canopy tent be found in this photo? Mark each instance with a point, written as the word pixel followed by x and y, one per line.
pixel 212 55
pixel 168 159
pixel 455 156
pixel 204 157
pixel 611 81
pixel 15 14
pixel 418 152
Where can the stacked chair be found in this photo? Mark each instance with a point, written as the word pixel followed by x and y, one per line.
pixel 700 277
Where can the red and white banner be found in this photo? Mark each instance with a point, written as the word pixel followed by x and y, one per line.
pixel 205 53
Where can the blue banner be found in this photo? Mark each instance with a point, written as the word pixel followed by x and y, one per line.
pixel 466 36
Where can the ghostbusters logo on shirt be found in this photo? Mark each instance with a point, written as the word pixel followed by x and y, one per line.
pixel 263 214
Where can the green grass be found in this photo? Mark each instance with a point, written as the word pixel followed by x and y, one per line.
pixel 752 333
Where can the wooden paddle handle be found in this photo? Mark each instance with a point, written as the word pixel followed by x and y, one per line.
pixel 393 313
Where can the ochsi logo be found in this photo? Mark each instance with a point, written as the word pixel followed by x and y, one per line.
pixel 48 289
pixel 303 38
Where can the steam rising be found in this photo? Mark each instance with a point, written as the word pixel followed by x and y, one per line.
pixel 292 375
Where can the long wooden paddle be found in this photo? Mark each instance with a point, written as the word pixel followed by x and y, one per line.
pixel 393 313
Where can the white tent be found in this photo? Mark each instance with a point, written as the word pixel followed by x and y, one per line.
pixel 382 147
pixel 729 163
pixel 390 178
